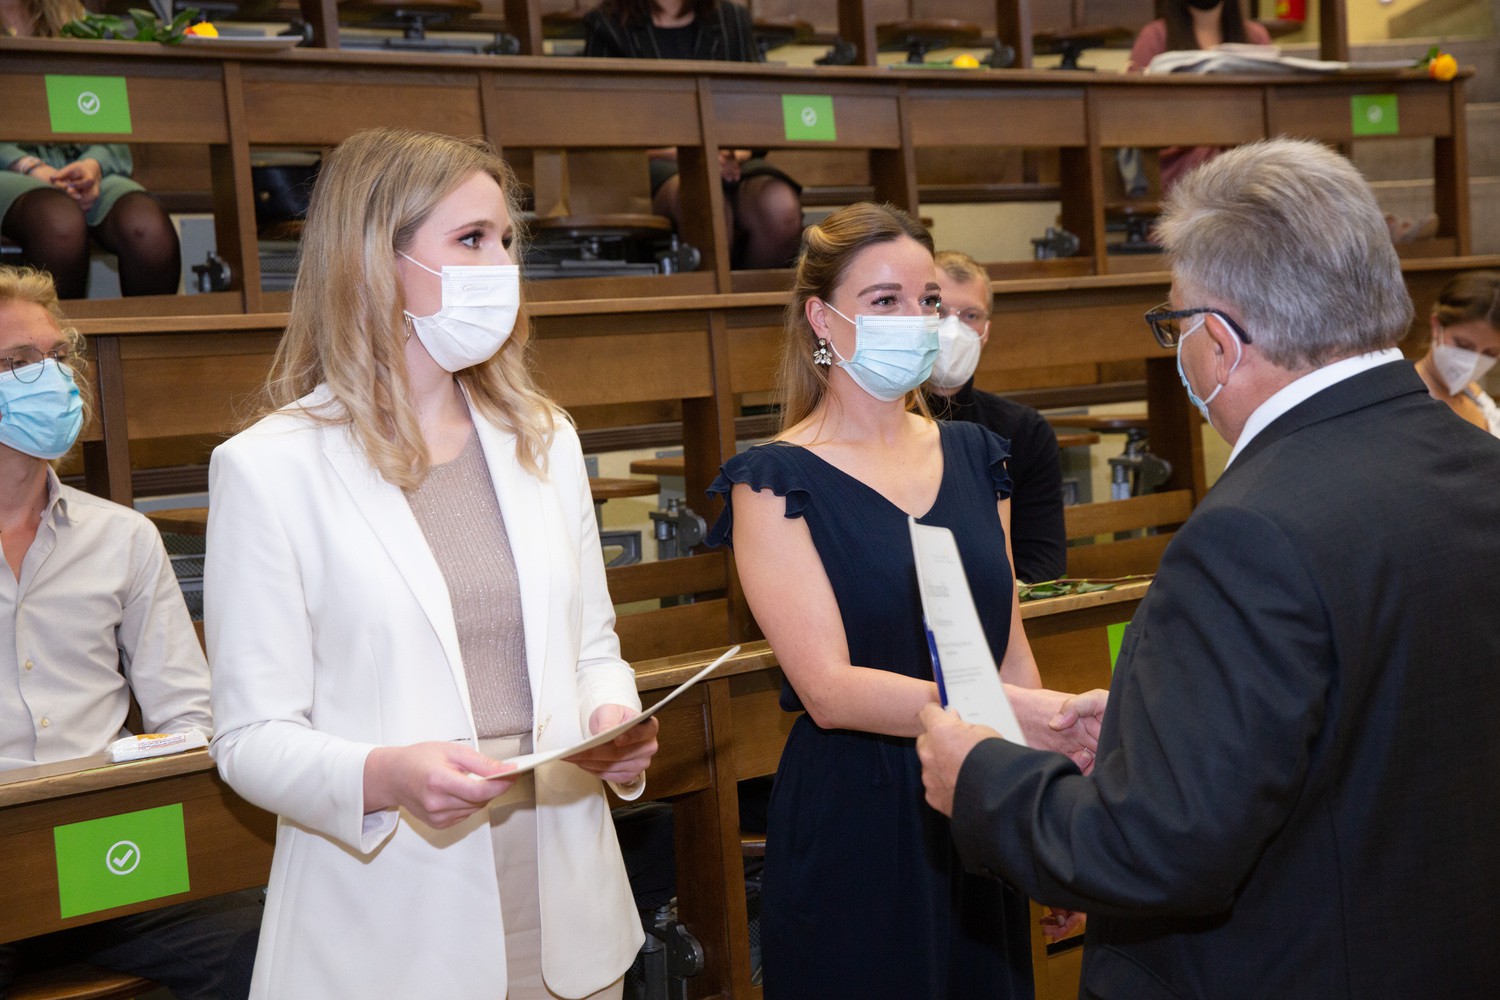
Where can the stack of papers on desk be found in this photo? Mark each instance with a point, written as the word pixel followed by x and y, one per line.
pixel 1237 57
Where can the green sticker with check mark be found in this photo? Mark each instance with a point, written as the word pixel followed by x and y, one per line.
pixel 1116 636
pixel 88 104
pixel 118 860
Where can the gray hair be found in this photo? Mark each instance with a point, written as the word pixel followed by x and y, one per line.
pixel 1286 235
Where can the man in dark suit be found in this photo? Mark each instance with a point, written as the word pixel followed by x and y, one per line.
pixel 1296 780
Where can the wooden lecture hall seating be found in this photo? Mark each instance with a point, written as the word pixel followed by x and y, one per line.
pixel 672 359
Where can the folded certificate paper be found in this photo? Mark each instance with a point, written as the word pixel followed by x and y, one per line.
pixel 967 678
pixel 530 761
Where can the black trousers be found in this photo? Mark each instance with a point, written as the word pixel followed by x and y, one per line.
pixel 202 950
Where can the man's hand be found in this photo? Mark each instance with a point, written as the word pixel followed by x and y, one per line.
pixel 1057 721
pixel 1058 923
pixel 81 180
pixel 622 759
pixel 942 749
pixel 1083 715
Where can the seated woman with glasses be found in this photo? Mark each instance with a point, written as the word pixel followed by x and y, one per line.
pixel 1037 532
pixel 89 586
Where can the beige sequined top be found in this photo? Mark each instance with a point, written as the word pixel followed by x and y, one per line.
pixel 460 517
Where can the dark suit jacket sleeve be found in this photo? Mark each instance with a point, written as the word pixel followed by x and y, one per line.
pixel 1219 695
pixel 1038 535
pixel 602 37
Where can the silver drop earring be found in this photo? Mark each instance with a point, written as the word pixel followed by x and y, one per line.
pixel 821 355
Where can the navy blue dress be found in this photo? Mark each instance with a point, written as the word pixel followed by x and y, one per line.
pixel 863 893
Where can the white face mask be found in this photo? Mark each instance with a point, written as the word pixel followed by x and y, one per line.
pixel 1457 366
pixel 959 346
pixel 892 354
pixel 480 303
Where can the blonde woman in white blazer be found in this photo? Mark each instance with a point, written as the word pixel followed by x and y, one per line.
pixel 402 559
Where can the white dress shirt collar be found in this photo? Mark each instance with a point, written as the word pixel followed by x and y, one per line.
pixel 1305 388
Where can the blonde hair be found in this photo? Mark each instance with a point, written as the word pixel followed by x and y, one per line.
pixel 828 250
pixel 49 16
pixel 346 329
pixel 959 266
pixel 26 284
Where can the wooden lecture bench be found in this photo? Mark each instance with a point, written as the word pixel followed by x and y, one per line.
pixel 194 520
pixel 1015 23
pixel 729 727
pixel 691 346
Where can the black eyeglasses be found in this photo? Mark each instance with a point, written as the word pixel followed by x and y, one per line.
pixel 26 362
pixel 1167 326
pixel 971 316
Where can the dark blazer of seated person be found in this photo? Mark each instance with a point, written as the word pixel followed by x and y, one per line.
pixel 1038 535
pixel 717 30
pixel 94 616
pixel 763 205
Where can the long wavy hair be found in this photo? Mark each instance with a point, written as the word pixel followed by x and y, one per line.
pixel 1180 24
pixel 346 329
pixel 828 250
pixel 26 284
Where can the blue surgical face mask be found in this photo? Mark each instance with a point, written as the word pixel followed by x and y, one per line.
pixel 42 417
pixel 892 354
pixel 1202 404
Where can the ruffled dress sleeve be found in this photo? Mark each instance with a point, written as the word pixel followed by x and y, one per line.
pixel 990 450
pixel 764 467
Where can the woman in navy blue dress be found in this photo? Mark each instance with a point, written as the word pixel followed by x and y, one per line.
pixel 864 895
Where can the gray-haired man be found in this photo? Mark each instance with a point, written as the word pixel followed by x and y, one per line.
pixel 1295 778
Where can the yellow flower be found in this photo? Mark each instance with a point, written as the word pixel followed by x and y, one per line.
pixel 1443 67
pixel 965 61
pixel 206 30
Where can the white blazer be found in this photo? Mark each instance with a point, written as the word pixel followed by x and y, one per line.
pixel 330 632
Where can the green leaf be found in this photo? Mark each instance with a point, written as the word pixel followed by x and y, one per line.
pixel 180 24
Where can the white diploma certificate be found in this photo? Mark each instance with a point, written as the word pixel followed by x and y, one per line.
pixel 530 761
pixel 967 678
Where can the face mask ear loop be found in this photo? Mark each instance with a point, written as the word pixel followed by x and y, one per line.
pixel 419 263
pixel 1239 355
pixel 829 305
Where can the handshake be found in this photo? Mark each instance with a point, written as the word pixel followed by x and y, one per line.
pixel 1050 720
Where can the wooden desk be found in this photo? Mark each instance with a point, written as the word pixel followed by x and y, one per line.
pixel 229 841
pixel 233 102
pixel 672 465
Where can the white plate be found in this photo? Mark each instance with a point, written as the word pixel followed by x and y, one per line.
pixel 243 43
